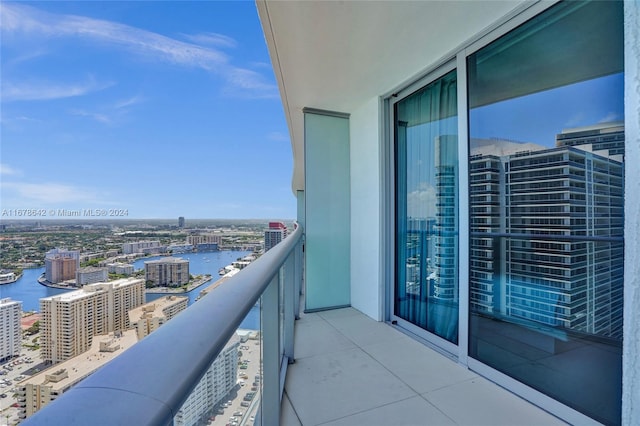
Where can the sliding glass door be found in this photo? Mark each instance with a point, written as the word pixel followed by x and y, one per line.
pixel 426 252
pixel 546 172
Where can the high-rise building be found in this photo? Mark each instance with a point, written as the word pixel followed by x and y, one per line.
pixel 10 314
pixel 168 271
pixel 61 265
pixel 276 232
pixel 152 315
pixel 181 222
pixel 69 321
pixel 217 382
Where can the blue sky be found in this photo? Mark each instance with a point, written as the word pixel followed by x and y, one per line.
pixel 164 109
pixel 586 103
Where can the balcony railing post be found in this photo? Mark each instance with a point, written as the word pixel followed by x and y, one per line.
pixel 299 259
pixel 289 305
pixel 270 406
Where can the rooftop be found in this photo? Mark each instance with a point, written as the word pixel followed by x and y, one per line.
pixel 156 307
pixel 86 363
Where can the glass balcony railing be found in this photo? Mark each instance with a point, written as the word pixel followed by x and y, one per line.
pixel 151 382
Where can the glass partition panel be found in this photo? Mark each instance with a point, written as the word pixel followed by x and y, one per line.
pixel 546 173
pixel 426 140
pixel 229 392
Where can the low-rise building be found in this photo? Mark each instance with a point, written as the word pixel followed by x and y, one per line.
pixel 120 268
pixel 90 275
pixel 148 317
pixel 42 388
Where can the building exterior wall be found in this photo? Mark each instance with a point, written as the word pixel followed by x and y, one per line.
pixel 10 332
pixel 367 282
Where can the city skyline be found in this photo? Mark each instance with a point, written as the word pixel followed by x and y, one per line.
pixel 146 109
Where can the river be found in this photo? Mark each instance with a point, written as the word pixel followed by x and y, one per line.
pixel 28 291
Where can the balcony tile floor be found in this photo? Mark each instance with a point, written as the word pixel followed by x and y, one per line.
pixel 351 370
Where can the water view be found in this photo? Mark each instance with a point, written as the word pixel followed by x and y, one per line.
pixel 28 291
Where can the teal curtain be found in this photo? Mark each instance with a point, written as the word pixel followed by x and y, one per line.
pixel 426 142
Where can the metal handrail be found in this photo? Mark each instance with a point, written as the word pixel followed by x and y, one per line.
pixel 148 383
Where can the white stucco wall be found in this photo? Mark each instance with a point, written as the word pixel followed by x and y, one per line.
pixel 366 283
pixel 631 344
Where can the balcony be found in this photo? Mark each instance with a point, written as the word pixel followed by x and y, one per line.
pixel 341 368
pixel 352 370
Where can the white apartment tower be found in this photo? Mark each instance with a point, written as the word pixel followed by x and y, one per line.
pixel 70 320
pixel 10 314
pixel 219 379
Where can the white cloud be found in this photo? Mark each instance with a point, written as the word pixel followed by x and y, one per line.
pixel 610 117
pixel 421 203
pixel 278 137
pixel 211 39
pixel 37 91
pixel 575 120
pixel 129 102
pixel 102 118
pixel 20 19
pixel 49 193
pixel 7 170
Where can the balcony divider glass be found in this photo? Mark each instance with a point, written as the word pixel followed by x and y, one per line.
pixel 149 383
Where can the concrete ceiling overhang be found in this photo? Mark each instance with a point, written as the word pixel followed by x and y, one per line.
pixel 337 55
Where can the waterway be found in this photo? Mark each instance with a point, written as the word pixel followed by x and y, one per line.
pixel 28 291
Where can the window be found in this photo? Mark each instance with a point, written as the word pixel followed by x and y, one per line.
pixel 547 310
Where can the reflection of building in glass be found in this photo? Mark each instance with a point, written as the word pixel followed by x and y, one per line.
pixel 604 139
pixel 446 226
pixel 486 183
pixel 419 266
pixel 574 277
